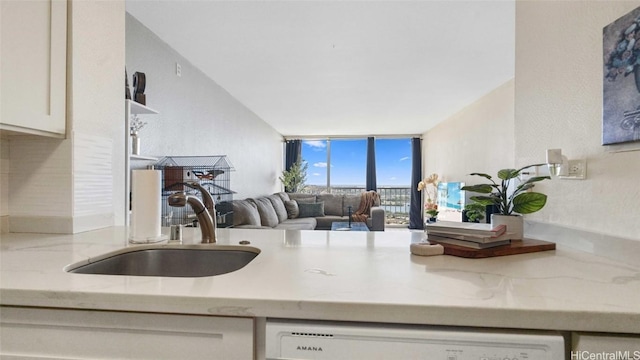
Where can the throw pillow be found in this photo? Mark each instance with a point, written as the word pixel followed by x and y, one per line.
pixel 353 201
pixel 278 206
pixel 332 204
pixel 292 209
pixel 306 200
pixel 268 216
pixel 311 210
pixel 284 196
pixel 245 213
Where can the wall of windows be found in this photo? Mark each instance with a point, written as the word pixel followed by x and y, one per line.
pixel 339 166
pixel 393 162
pixel 348 162
pixel 341 162
pixel 315 154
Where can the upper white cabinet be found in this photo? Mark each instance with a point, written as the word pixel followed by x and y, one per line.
pixel 34 63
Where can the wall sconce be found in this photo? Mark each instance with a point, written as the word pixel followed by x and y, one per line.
pixel 561 167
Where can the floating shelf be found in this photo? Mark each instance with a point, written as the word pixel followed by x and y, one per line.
pixel 141 157
pixel 132 109
pixel 137 108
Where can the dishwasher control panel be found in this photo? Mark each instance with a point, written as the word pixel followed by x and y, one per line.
pixel 310 340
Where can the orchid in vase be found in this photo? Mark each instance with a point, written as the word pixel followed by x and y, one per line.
pixel 430 187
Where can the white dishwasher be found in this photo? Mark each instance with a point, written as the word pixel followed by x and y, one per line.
pixel 325 340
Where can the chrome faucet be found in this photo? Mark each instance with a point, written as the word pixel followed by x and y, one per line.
pixel 207 224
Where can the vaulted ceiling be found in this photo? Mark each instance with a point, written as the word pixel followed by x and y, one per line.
pixel 343 67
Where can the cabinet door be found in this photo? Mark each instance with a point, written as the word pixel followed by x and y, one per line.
pixel 27 333
pixel 624 345
pixel 33 70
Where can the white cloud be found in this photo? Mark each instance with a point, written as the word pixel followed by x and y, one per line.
pixel 315 174
pixel 320 164
pixel 320 144
pixel 404 158
pixel 393 178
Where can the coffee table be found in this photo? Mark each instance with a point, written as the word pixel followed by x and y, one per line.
pixel 344 226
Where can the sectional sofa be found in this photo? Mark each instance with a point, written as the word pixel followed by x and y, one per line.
pixel 298 211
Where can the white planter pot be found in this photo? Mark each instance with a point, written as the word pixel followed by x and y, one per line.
pixel 514 223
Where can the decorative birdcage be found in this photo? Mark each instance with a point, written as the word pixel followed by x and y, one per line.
pixel 211 172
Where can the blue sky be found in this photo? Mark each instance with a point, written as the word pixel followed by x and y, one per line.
pixel 348 161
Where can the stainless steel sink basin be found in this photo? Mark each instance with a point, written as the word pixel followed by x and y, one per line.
pixel 169 260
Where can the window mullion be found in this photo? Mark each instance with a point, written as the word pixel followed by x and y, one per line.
pixel 329 166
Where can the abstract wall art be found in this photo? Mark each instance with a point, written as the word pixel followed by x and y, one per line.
pixel 621 81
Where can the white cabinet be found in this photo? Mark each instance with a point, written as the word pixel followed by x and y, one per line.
pixel 132 108
pixel 29 333
pixel 34 62
pixel 584 344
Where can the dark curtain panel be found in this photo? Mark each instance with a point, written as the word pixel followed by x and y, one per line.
pixel 371 164
pixel 415 211
pixel 293 150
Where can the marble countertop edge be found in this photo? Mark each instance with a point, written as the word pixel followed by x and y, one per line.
pixel 437 315
pixel 339 276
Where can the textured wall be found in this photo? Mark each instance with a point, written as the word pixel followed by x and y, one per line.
pixel 40 185
pixel 558 97
pixel 97 109
pixel 77 184
pixel 198 117
pixel 479 138
pixel 4 184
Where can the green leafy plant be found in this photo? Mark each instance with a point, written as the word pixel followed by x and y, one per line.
pixel 520 201
pixel 475 211
pixel 294 179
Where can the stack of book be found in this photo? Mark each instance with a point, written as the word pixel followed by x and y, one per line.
pixel 471 235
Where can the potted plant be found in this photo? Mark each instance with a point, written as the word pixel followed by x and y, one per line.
pixel 294 178
pixel 510 205
pixel 474 212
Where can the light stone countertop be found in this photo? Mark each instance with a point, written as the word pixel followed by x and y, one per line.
pixel 351 276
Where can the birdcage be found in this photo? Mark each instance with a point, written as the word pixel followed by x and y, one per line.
pixel 211 172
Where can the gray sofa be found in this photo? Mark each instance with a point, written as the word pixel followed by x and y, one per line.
pixel 297 211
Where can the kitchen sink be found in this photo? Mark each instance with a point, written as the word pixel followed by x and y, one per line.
pixel 169 260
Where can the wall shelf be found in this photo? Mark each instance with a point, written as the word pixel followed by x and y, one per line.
pixel 139 109
pixel 132 108
pixel 144 158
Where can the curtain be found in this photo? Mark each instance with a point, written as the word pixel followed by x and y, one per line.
pixel 415 211
pixel 293 149
pixel 371 165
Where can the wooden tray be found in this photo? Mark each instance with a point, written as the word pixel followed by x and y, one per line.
pixel 516 247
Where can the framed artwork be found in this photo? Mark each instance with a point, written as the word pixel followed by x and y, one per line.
pixel 450 201
pixel 621 81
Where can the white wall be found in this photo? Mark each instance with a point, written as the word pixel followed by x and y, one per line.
pixel 559 75
pixel 97 110
pixel 557 103
pixel 199 118
pixel 77 184
pixel 479 138
pixel 4 183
